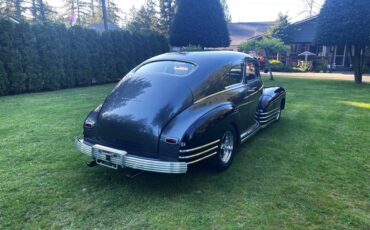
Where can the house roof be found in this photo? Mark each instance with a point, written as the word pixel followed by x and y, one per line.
pixel 242 31
pixel 304 31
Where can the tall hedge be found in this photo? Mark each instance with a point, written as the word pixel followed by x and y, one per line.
pixel 50 56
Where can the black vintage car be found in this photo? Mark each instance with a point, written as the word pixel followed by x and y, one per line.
pixel 178 109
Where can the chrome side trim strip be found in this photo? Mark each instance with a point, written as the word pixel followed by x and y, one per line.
pixel 251 134
pixel 249 130
pixel 268 116
pixel 269 112
pixel 200 147
pixel 198 154
pixel 247 103
pixel 268 120
pixel 236 86
pixel 200 159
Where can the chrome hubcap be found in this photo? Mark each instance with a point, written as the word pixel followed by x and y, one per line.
pixel 227 146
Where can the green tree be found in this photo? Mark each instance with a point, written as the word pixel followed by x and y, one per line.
pixel 346 22
pixel 10 44
pixel 29 57
pixel 81 65
pixel 3 80
pixel 226 10
pixel 114 12
pixel 267 45
pixel 199 23
pixel 141 20
pixel 166 16
pixel 50 57
pixel 281 29
pixel 80 9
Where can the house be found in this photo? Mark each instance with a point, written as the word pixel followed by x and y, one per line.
pixel 303 39
pixel 242 31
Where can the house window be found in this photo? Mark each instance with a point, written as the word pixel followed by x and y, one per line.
pixel 340 54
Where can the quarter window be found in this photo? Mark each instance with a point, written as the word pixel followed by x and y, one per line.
pixel 233 76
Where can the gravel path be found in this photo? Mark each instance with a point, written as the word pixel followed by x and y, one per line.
pixel 347 76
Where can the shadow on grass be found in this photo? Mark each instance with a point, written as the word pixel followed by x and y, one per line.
pixel 245 169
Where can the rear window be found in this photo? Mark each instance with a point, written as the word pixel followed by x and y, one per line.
pixel 176 68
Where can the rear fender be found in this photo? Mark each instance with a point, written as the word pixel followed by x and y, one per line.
pixel 198 125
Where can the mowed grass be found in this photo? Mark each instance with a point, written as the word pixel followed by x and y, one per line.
pixel 309 171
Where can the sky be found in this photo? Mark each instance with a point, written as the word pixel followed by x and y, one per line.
pixel 241 10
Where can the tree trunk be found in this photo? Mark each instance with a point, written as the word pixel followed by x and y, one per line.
pixel 78 13
pixel 271 76
pixel 92 9
pixel 18 10
pixel 42 10
pixel 268 65
pixel 358 63
pixel 34 10
pixel 105 17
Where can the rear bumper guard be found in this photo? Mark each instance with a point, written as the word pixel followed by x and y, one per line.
pixel 113 158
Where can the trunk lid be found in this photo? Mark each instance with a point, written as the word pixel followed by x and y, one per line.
pixel 134 114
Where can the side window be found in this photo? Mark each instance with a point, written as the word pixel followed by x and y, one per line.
pixel 233 76
pixel 251 70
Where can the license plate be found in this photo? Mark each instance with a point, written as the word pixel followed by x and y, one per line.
pixel 108 157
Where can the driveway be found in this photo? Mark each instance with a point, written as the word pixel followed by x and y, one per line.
pixel 347 76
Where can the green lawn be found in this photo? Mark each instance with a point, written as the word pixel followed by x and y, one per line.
pixel 309 171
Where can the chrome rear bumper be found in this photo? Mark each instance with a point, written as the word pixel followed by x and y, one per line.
pixel 113 157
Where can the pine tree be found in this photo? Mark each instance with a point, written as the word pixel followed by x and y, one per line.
pixel 194 26
pixel 282 29
pixel 226 10
pixel 141 20
pixel 166 15
pixel 113 12
pixel 78 10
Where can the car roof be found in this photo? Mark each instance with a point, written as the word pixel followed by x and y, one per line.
pixel 208 63
pixel 199 57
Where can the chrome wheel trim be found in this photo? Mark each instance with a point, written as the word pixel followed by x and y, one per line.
pixel 226 147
